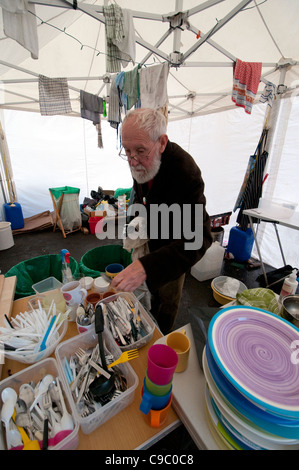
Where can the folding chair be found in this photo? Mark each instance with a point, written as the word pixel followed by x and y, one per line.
pixel 67 209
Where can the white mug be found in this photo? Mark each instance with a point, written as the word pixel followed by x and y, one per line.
pixel 73 293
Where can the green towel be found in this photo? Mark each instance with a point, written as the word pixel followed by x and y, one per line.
pixel 259 298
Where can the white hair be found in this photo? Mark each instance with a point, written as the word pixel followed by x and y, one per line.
pixel 148 119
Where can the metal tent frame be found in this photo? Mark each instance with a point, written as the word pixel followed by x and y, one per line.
pixel 179 21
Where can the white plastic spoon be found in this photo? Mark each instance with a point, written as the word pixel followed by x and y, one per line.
pixel 9 398
pixel 66 422
pixel 43 387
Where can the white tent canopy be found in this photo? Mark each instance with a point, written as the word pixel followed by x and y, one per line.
pixel 201 41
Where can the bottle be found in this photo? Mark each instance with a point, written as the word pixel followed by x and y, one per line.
pixel 66 270
pixel 289 286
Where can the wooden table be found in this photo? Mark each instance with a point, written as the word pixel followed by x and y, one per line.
pixel 126 430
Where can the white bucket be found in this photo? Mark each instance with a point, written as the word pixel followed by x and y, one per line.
pixel 6 238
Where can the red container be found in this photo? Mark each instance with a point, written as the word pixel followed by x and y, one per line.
pixel 92 224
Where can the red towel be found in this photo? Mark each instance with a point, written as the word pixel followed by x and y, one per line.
pixel 247 76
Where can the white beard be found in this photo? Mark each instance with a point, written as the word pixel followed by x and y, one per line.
pixel 142 175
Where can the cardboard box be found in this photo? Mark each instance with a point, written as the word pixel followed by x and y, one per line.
pixel 91 213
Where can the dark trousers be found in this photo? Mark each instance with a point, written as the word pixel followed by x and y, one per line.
pixel 165 304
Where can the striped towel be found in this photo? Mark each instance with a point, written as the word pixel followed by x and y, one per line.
pixel 246 81
pixel 268 94
pixel 91 106
pixel 53 96
pixel 114 30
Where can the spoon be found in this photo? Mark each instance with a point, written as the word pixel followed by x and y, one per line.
pixel 101 385
pixel 43 387
pixel 26 393
pixel 9 398
pixel 28 443
pixel 13 436
pixel 66 421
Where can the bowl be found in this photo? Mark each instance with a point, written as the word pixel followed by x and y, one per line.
pixel 218 287
pixel 290 305
pixel 113 269
pixel 101 284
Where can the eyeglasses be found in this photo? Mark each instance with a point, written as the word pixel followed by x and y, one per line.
pixel 139 156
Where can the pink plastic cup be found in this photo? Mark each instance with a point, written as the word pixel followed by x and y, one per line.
pixel 161 363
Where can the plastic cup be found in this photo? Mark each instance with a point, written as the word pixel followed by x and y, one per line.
pixel 93 298
pixel 157 389
pixel 152 402
pixel 161 363
pixel 157 418
pixel 180 343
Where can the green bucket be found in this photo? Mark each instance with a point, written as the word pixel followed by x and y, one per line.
pixel 37 269
pixel 94 261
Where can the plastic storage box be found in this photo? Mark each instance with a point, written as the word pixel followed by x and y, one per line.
pixel 36 373
pixel 277 208
pixel 147 323
pixel 87 341
pixel 50 283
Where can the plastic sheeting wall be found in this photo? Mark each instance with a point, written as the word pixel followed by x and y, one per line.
pixel 57 151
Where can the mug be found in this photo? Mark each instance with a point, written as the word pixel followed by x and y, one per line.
pixel 161 363
pixel 73 293
pixel 152 402
pixel 178 341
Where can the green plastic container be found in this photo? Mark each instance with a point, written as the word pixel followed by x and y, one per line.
pixel 36 269
pixel 94 261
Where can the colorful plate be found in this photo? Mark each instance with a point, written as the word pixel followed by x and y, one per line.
pixel 254 349
pixel 246 428
pixel 274 424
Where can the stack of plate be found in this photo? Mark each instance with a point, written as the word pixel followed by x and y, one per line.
pixel 251 368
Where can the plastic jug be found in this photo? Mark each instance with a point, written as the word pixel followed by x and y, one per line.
pixel 209 266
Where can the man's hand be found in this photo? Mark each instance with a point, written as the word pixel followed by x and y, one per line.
pixel 130 278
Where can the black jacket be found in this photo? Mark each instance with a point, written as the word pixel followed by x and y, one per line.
pixel 178 182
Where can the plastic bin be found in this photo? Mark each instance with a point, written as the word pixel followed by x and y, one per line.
pixel 94 261
pixel 240 243
pixel 36 269
pixel 47 284
pixel 147 323
pixel 87 341
pixel 35 373
pixel 92 221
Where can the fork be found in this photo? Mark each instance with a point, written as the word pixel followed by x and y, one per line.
pixel 125 356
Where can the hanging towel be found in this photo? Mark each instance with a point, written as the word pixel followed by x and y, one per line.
pixel 131 87
pixel 268 94
pixel 114 110
pixel 53 96
pixel 153 86
pixel 246 81
pixel 99 132
pixel 91 106
pixel 19 23
pixel 127 45
pixel 114 31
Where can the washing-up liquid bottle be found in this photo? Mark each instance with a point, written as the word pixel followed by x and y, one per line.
pixel 289 286
pixel 66 270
